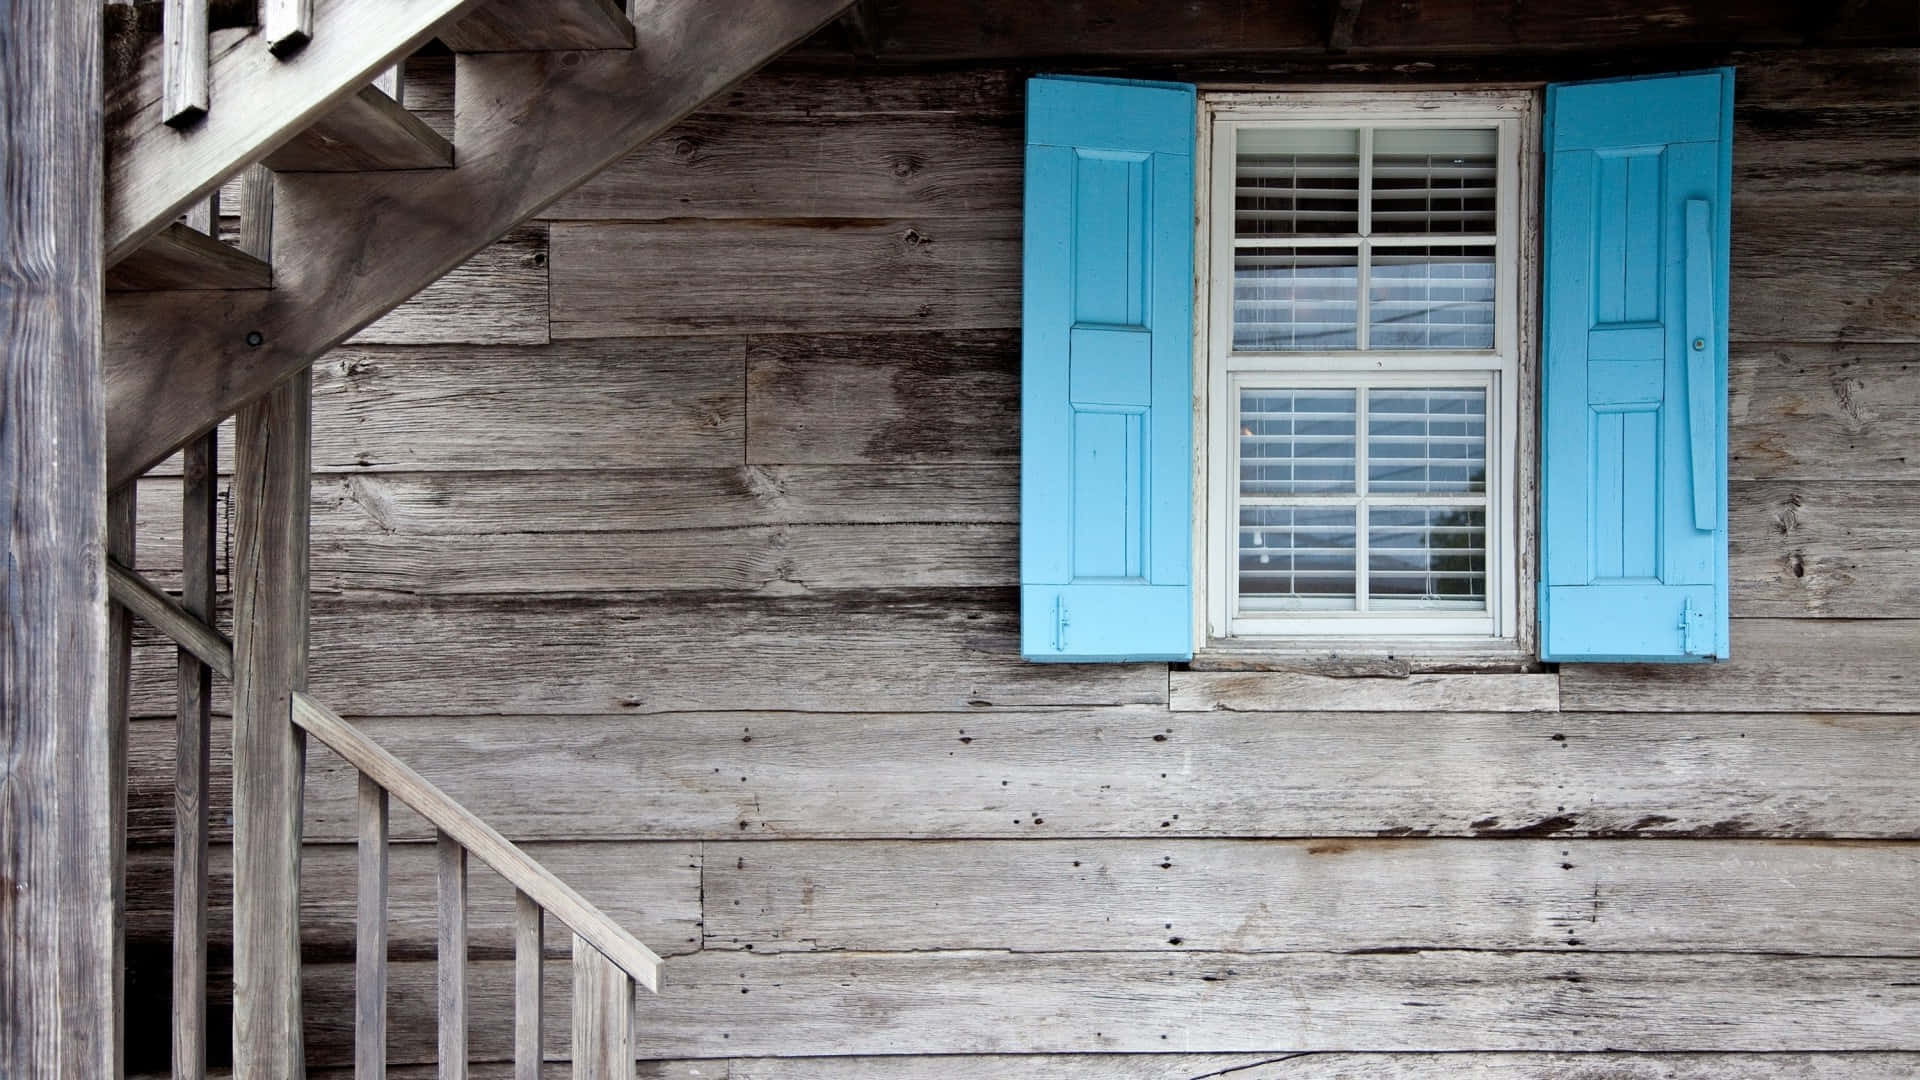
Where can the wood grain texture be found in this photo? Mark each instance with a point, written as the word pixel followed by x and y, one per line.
pixel 1824 412
pixel 868 165
pixel 167 616
pixel 1811 273
pixel 1778 664
pixel 193 782
pixel 57 974
pixel 271 508
pixel 367 131
pixel 450 956
pixel 1265 691
pixel 506 26
pixel 884 398
pixel 184 26
pixel 496 297
pixel 181 257
pixel 531 127
pixel 1834 550
pixel 372 890
pixel 1160 895
pixel 602 1044
pixel 121 518
pixel 1339 1066
pixel 949 273
pixel 529 984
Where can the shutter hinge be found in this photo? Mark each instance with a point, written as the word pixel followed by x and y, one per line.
pixel 1694 638
pixel 1059 623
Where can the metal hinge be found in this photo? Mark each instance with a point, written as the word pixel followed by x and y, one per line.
pixel 1695 639
pixel 1059 623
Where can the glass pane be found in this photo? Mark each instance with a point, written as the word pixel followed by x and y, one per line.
pixel 1427 442
pixel 1297 557
pixel 1434 181
pixel 1297 183
pixel 1296 442
pixel 1430 298
pixel 1295 298
pixel 1427 556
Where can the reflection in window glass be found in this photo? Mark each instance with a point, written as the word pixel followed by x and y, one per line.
pixel 1427 556
pixel 1295 298
pixel 1431 298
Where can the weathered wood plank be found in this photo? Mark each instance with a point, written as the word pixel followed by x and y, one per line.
pixel 1339 1066
pixel 505 26
pixel 529 984
pixel 450 961
pixel 884 398
pixel 872 165
pixel 184 26
pixel 1099 773
pixel 288 25
pixel 271 505
pixel 957 1003
pixel 181 257
pixel 1841 550
pixel 1843 273
pixel 366 131
pixel 121 516
pixel 1778 664
pixel 372 889
pixel 58 980
pixel 497 297
pixel 1824 412
pixel 193 783
pixel 652 889
pixel 747 277
pixel 167 617
pixel 1035 896
pixel 1272 691
pixel 602 1043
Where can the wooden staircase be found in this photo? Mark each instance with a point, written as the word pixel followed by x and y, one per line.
pixel 350 204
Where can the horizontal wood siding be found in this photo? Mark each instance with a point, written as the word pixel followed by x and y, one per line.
pixel 676 536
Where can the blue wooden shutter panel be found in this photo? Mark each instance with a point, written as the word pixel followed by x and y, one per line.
pixel 1106 372
pixel 1634 410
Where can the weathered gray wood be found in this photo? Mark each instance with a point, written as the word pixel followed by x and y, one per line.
pixel 507 26
pixel 1837 550
pixel 393 83
pixel 1824 412
pixel 122 514
pixel 1811 273
pixel 366 131
pixel 946 274
pixel 166 614
pixel 451 978
pixel 1346 13
pixel 529 979
pixel 288 25
pixel 497 297
pixel 859 165
pixel 1778 664
pixel 531 127
pixel 1038 896
pixel 185 30
pixel 57 928
pixel 370 934
pixel 193 791
pixel 1338 1066
pixel 182 257
pixel 957 1003
pixel 460 832
pixel 1272 691
pixel 884 398
pixel 256 212
pixel 271 507
pixel 602 1016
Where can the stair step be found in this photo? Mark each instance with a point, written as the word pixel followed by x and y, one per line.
pixel 368 132
pixel 179 257
pixel 517 26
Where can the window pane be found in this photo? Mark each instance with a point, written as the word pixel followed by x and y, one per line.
pixel 1427 442
pixel 1297 557
pixel 1295 298
pixel 1426 556
pixel 1297 183
pixel 1430 298
pixel 1434 181
pixel 1296 442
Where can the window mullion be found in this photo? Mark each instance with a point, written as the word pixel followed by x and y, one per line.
pixel 1360 583
pixel 1363 256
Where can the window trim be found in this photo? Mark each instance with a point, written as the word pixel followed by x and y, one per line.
pixel 1516 113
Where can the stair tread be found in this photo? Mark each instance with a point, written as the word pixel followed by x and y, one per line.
pixel 367 132
pixel 179 257
pixel 516 26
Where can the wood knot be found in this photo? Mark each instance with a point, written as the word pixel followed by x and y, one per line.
pixel 686 148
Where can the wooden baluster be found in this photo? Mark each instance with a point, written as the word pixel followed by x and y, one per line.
pixel 121 511
pixel 288 25
pixel 204 216
pixel 529 962
pixel 192 788
pixel 184 30
pixel 453 959
pixel 370 939
pixel 393 83
pixel 602 1016
pixel 256 213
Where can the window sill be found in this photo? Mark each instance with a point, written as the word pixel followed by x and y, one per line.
pixel 1362 658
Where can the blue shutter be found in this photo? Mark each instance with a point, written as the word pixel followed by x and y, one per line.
pixel 1107 372
pixel 1634 412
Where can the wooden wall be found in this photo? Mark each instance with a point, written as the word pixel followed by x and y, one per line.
pixel 676 536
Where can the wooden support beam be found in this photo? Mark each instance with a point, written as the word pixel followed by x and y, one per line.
pixel 182 257
pixel 57 929
pixel 370 936
pixel 368 131
pixel 271 506
pixel 510 26
pixel 184 32
pixel 165 614
pixel 193 771
pixel 1345 14
pixel 155 172
pixel 529 130
pixel 602 1016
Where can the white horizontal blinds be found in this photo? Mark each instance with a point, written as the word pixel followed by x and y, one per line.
pixel 1364 239
pixel 1362 499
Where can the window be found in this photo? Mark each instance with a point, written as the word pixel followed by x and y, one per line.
pixel 1367 384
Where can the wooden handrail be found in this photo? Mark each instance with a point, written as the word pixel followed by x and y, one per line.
pixel 164 613
pixel 476 836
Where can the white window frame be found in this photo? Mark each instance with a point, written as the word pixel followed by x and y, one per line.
pixel 1503 632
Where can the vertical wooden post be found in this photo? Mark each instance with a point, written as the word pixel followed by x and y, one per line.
pixel 602 1016
pixel 122 509
pixel 271 510
pixel 57 1007
pixel 370 937
pixel 452 979
pixel 529 962
pixel 192 786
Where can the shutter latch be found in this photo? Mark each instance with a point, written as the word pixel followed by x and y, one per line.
pixel 1059 623
pixel 1693 629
